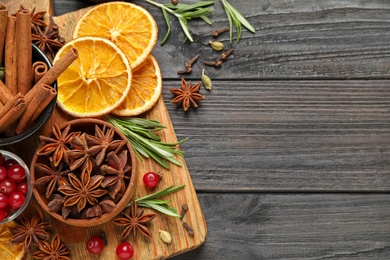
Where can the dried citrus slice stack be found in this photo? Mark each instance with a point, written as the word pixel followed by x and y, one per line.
pixel 131 27
pixel 145 89
pixel 7 249
pixel 95 83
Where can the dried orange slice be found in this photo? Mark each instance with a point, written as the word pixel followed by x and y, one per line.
pixel 95 83
pixel 7 249
pixel 129 26
pixel 145 89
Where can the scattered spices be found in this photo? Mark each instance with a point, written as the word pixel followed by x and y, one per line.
pixel 217 32
pixel 47 40
pixel 189 64
pixel 206 81
pixel 36 18
pixel 192 61
pixel 189 229
pixel 53 250
pixel 135 221
pixel 217 46
pixel 184 209
pixel 30 232
pixel 226 54
pixel 165 236
pixel 186 96
pixel 217 63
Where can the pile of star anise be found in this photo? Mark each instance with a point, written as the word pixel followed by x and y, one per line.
pixel 82 174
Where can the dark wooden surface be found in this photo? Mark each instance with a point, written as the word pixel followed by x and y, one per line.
pixel 289 153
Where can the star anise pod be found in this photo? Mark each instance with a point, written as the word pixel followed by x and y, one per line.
pixel 134 222
pixel 47 40
pixel 79 156
pixel 186 96
pixel 58 144
pixel 55 250
pixel 28 232
pixel 82 191
pixel 102 142
pixel 54 177
pixel 36 18
pixel 116 173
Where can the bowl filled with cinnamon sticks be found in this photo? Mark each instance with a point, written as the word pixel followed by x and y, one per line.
pixel 23 112
pixel 28 88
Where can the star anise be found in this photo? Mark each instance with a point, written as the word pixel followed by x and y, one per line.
pixel 46 40
pixel 116 173
pixel 36 18
pixel 102 142
pixel 54 177
pixel 187 95
pixel 28 232
pixel 79 156
pixel 58 144
pixel 134 222
pixel 56 250
pixel 82 191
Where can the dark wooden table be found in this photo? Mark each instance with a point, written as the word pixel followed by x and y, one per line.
pixel 289 152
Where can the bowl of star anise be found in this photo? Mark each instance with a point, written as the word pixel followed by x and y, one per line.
pixel 83 173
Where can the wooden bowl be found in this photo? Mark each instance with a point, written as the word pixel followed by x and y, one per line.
pixel 87 125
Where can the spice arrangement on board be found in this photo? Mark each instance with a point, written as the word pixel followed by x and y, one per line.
pixel 83 171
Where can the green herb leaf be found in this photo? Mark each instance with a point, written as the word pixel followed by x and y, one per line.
pixel 153 201
pixel 235 17
pixel 139 132
pixel 184 13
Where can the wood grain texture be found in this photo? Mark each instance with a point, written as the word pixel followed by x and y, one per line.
pixel 294 39
pixel 287 136
pixel 295 226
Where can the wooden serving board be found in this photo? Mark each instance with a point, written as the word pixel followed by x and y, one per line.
pixel 145 248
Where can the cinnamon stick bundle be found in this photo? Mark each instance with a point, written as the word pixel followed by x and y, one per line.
pixel 3 29
pixel 24 50
pixel 10 64
pixel 5 93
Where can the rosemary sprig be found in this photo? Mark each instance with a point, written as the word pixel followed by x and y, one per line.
pixel 236 18
pixel 184 13
pixel 140 133
pixel 153 201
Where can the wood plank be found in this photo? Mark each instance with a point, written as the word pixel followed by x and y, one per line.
pixel 287 136
pixel 295 226
pixel 299 39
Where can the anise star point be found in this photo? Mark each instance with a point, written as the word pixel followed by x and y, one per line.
pixel 187 95
pixel 55 250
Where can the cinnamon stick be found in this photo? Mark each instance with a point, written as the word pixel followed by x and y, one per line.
pixel 24 50
pixel 52 93
pixel 5 93
pixel 54 72
pixel 42 96
pixel 10 104
pixel 39 68
pixel 3 29
pixel 12 115
pixel 10 62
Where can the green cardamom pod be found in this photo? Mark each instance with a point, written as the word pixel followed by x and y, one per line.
pixel 2 74
pixel 165 236
pixel 217 46
pixel 206 81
